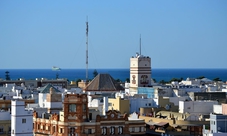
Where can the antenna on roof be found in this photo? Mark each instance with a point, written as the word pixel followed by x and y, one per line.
pixel 140 44
pixel 87 50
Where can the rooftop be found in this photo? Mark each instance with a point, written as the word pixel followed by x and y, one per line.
pixel 103 82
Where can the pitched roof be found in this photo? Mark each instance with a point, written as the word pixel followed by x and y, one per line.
pixel 103 82
pixel 46 89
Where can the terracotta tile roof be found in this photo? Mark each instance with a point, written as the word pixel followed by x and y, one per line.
pixel 103 82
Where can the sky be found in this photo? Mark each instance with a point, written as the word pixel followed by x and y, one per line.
pixel 174 33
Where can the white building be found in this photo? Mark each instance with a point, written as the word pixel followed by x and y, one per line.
pixel 10 91
pixel 21 119
pixel 102 107
pixel 218 125
pixel 212 88
pixel 191 81
pixel 196 107
pixel 217 109
pixel 137 103
pixel 175 100
pixel 164 91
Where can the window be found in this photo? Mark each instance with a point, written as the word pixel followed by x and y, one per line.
pixel 149 104
pixel 133 129
pixel 120 130
pixel 9 130
pixel 1 130
pixel 89 131
pixel 72 131
pixel 112 129
pixel 23 120
pixel 90 116
pixel 104 131
pixel 53 129
pixel 139 129
pixel 84 107
pixel 61 130
pixel 72 108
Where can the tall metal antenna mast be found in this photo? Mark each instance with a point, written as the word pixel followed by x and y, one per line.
pixel 87 50
pixel 140 44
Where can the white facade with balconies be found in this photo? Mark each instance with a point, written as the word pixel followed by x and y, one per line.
pixel 21 119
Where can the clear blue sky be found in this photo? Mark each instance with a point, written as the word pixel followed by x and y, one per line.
pixel 175 33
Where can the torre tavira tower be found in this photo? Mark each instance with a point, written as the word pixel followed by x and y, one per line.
pixel 140 71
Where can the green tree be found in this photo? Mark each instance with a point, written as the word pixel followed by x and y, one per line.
pixel 217 79
pixel 176 79
pixel 162 82
pixel 200 77
pixel 118 80
pixel 77 81
pixel 95 73
pixel 127 80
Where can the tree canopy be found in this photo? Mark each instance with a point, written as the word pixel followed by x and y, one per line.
pixel 217 79
pixel 95 73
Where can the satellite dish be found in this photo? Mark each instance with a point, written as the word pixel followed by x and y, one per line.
pixel 219 128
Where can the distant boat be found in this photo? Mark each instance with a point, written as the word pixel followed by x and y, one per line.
pixel 56 68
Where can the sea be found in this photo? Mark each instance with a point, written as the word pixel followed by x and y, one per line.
pixel 120 74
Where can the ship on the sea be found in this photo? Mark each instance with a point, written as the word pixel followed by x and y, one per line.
pixel 56 68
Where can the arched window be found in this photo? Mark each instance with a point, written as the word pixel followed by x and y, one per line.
pixel 120 130
pixel 72 131
pixel 112 130
pixel 104 131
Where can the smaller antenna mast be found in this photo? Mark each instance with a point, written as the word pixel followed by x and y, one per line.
pixel 140 44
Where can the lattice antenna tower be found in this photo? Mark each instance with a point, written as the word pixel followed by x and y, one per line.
pixel 87 50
